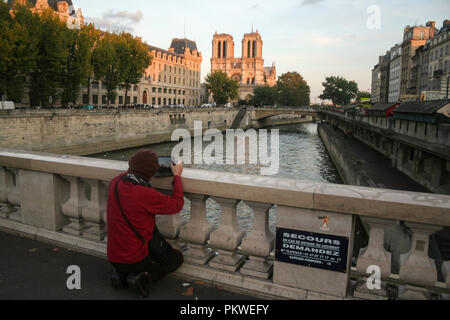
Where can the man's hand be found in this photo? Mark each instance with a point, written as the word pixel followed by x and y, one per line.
pixel 178 169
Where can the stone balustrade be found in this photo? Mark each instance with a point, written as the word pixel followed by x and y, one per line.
pixel 63 199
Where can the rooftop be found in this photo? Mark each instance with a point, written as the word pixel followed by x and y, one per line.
pixel 422 107
pixel 179 45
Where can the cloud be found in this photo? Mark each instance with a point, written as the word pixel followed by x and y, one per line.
pixel 308 2
pixel 117 21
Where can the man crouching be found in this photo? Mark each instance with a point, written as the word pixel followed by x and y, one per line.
pixel 136 249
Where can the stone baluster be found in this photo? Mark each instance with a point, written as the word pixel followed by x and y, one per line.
pixel 14 195
pixel 227 238
pixel 416 267
pixel 446 275
pixel 106 185
pixel 73 208
pixel 259 243
pixel 6 186
pixel 94 212
pixel 196 231
pixel 374 255
pixel 169 226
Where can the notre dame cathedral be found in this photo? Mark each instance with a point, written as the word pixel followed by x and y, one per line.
pixel 249 69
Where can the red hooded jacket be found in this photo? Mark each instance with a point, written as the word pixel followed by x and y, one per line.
pixel 140 205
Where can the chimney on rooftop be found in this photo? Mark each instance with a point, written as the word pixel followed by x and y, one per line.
pixel 431 24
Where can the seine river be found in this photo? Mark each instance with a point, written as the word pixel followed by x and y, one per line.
pixel 302 156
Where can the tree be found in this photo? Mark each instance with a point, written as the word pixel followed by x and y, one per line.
pixel 222 87
pixel 339 90
pixel 106 64
pixel 78 66
pixel 363 95
pixel 93 37
pixel 78 70
pixel 293 90
pixel 133 61
pixel 264 95
pixel 52 55
pixel 19 36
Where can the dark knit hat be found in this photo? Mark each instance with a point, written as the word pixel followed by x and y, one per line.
pixel 144 164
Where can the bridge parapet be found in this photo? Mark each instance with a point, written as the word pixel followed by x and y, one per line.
pixel 418 149
pixel 63 199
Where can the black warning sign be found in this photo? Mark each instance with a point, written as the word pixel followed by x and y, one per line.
pixel 313 250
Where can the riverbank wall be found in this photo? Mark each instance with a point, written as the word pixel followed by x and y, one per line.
pixel 349 167
pixel 82 132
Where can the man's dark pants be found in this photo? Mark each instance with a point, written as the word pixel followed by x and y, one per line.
pixel 155 267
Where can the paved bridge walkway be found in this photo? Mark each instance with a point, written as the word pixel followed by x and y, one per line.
pixel 33 270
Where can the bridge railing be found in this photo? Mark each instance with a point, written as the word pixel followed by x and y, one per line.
pixel 63 199
pixel 436 133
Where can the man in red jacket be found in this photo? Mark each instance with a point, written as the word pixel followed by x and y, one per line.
pixel 132 233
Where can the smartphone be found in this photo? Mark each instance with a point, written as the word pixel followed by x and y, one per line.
pixel 165 170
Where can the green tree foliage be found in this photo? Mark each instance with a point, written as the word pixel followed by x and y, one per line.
pixel 222 87
pixel 78 65
pixel 51 61
pixel 19 39
pixel 293 90
pixel 106 64
pixel 339 90
pixel 265 96
pixel 55 61
pixel 363 95
pixel 134 59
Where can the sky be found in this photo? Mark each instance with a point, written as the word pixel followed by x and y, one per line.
pixel 316 38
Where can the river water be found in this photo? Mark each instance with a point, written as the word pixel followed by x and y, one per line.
pixel 302 156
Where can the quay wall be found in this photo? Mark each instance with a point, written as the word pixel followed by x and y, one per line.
pixel 349 168
pixel 82 132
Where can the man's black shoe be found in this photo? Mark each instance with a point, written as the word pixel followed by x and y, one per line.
pixel 118 279
pixel 139 283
